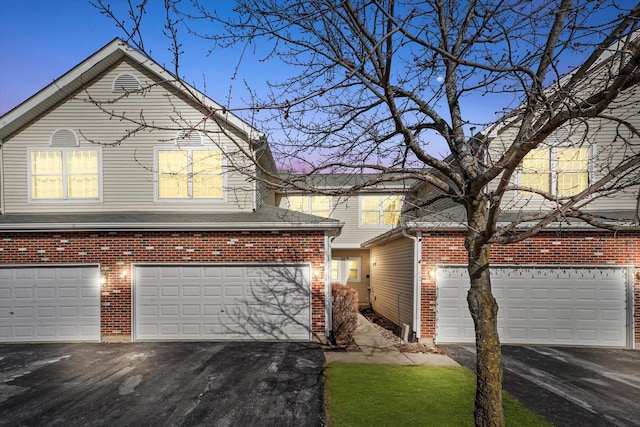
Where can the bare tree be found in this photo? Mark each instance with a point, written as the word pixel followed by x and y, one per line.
pixel 400 88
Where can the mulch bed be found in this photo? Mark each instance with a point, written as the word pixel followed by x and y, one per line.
pixel 392 333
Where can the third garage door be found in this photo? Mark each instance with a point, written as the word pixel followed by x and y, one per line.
pixel 212 302
pixel 540 305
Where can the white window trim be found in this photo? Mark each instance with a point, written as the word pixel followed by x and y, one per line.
pixel 67 200
pixel 174 147
pixel 523 195
pixel 380 210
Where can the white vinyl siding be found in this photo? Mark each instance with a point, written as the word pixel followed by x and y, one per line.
pixel 392 269
pixel 128 175
pixel 608 143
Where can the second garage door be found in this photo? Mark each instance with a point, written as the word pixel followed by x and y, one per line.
pixel 540 305
pixel 212 302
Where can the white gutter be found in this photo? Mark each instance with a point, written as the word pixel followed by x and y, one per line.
pixel 417 279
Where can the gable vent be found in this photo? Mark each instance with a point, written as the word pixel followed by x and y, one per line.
pixel 189 137
pixel 63 138
pixel 125 83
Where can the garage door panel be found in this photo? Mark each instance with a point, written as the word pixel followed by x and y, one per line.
pixel 225 302
pixel 544 305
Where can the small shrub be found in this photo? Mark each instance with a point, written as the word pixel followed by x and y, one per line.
pixel 345 313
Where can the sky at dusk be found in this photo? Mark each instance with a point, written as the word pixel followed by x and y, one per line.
pixel 40 40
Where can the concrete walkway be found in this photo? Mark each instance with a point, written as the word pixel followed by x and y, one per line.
pixel 376 349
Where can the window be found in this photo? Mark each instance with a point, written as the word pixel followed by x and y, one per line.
pixel 380 210
pixel 189 173
pixel 64 174
pixel 345 270
pixel 562 171
pixel 314 205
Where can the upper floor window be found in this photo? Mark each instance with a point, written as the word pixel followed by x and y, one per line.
pixel 64 173
pixel 380 210
pixel 314 205
pixel 561 171
pixel 189 173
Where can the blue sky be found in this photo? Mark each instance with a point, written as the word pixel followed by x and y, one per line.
pixel 40 40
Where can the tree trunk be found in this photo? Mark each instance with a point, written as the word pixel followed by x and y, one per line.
pixel 484 311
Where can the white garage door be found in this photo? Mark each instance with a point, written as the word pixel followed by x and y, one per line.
pixel 211 302
pixel 539 305
pixel 49 304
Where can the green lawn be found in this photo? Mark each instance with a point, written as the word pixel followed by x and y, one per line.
pixel 381 395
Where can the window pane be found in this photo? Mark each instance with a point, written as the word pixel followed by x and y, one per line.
pixel 539 181
pixel 83 187
pixel 537 160
pixel 573 159
pixel 391 218
pixel 353 269
pixel 320 205
pixel 207 187
pixel 46 187
pixel 208 162
pixel 46 162
pixel 370 203
pixel 83 161
pixel 370 218
pixel 172 174
pixel 298 203
pixel 335 269
pixel 570 183
pixel 173 162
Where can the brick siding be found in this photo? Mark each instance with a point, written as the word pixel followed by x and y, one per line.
pixel 553 248
pixel 117 251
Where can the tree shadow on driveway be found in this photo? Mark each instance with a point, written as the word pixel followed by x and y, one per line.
pixel 212 384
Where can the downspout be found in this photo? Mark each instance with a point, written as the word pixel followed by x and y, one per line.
pixel 328 297
pixel 417 280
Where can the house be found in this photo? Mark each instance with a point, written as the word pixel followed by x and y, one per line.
pixel 129 212
pixel 570 284
pixel 366 213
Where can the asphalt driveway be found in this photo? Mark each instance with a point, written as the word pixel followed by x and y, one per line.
pixel 163 384
pixel 570 386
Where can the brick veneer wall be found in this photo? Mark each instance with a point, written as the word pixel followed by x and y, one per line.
pixel 575 247
pixel 115 251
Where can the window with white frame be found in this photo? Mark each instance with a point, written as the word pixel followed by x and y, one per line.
pixel 345 270
pixel 380 210
pixel 561 171
pixel 64 171
pixel 189 173
pixel 314 205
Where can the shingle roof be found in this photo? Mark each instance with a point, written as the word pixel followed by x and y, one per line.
pixel 265 218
